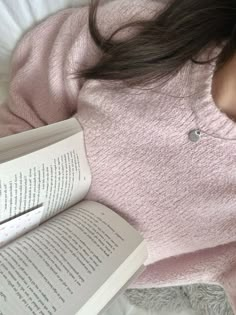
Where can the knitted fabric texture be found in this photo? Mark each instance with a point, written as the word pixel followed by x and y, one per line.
pixel 179 194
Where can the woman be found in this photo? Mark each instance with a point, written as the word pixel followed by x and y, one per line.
pixel 156 100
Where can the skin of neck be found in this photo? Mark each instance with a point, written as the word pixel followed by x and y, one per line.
pixel 224 88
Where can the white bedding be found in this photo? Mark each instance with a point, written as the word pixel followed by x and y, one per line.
pixel 17 16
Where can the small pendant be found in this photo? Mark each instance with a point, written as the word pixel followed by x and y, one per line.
pixel 194 135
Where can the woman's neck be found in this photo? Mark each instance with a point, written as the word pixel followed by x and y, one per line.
pixel 224 88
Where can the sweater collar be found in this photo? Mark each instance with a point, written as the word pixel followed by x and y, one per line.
pixel 209 119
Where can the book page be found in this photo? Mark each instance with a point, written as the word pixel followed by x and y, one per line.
pixel 13 228
pixel 58 267
pixel 17 145
pixel 56 177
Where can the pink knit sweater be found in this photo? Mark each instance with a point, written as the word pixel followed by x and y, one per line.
pixel 180 194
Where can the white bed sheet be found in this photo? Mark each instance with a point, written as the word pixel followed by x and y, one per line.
pixel 17 16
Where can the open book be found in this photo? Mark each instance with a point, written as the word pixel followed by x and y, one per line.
pixel 58 254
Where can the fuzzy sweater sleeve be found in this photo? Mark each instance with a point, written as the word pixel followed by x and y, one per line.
pixel 39 93
pixel 43 88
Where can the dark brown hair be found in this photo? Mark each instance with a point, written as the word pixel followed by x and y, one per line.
pixel 164 43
